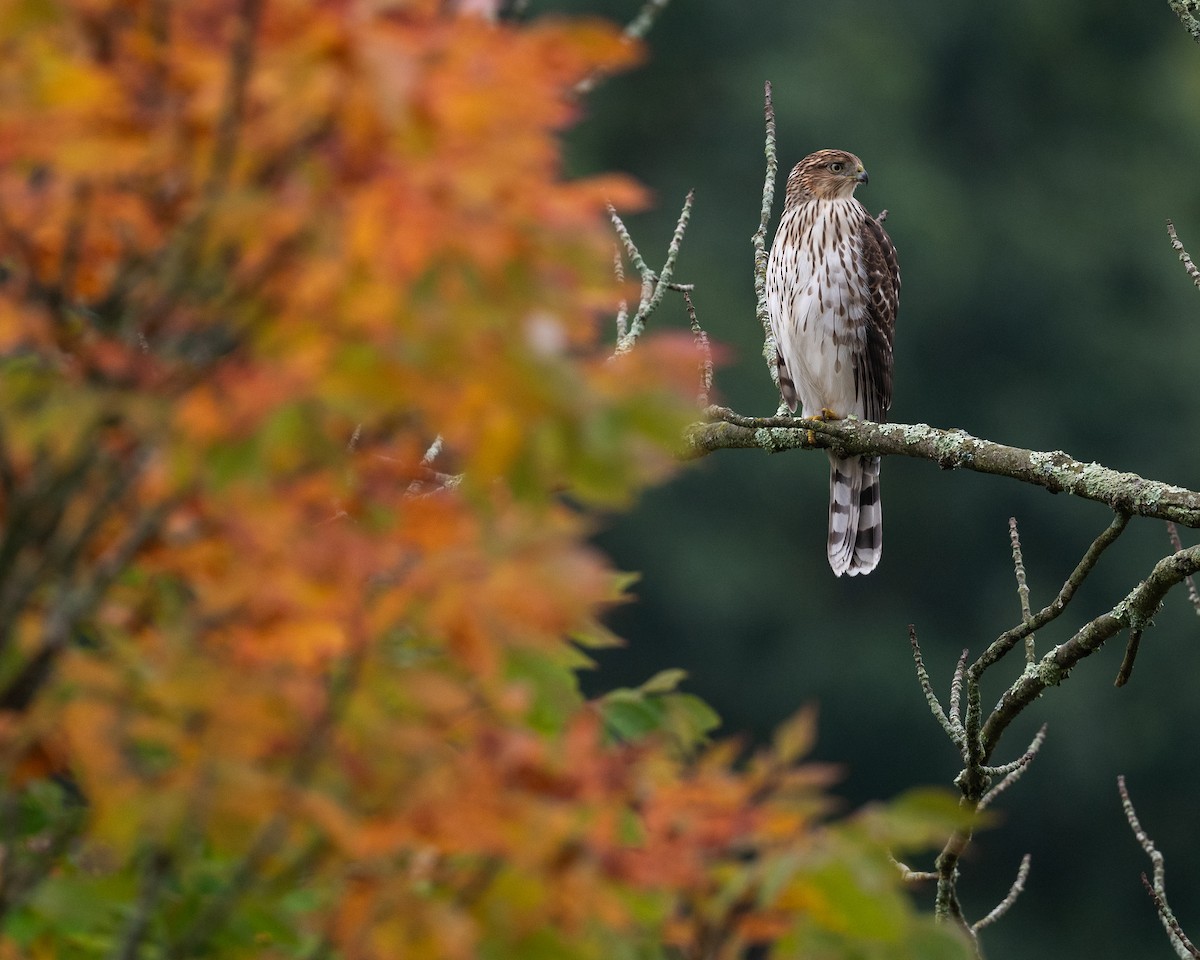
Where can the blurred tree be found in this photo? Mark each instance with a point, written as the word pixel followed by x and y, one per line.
pixel 306 417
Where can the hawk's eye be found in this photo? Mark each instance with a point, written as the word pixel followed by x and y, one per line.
pixel 837 166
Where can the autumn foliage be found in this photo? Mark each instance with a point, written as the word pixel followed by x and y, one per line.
pixel 274 682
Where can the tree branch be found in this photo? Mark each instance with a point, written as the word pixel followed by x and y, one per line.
pixel 1134 612
pixel 951 450
pixel 1183 947
pixel 760 236
pixel 1186 11
pixel 1006 904
pixel 1192 270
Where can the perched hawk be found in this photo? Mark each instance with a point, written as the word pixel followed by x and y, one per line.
pixel 832 290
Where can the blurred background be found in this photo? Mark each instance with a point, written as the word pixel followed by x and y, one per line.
pixel 1029 154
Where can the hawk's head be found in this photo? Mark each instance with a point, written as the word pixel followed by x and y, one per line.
pixel 826 175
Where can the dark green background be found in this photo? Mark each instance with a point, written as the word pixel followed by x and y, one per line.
pixel 1029 154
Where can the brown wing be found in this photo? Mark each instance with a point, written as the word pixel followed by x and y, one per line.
pixel 874 370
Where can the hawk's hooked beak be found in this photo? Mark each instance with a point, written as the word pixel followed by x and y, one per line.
pixel 862 177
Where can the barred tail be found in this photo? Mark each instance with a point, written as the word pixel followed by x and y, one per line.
pixel 855 515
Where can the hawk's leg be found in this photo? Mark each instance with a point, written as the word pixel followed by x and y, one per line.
pixel 825 414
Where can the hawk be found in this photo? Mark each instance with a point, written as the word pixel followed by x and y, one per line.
pixel 833 288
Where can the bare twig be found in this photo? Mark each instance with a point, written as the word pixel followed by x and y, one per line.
pixel 1182 946
pixel 908 875
pixel 1022 587
pixel 953 730
pixel 631 250
pixel 1010 898
pixel 956 686
pixel 429 476
pixel 619 272
pixel 635 30
pixel 1125 671
pixel 705 349
pixel 1012 772
pixel 760 235
pixel 654 285
pixel 1193 595
pixel 1192 270
pixel 640 25
pixel 1050 612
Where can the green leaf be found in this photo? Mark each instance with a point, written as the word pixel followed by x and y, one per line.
pixel 630 717
pixel 665 681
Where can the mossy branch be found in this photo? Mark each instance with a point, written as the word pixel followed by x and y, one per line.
pixel 1187 11
pixel 951 449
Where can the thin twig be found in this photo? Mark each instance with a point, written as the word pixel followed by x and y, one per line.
pixel 1054 609
pixel 1012 772
pixel 619 272
pixel 1182 946
pixel 974 782
pixel 631 249
pixel 1193 595
pixel 673 286
pixel 1022 587
pixel 956 686
pixel 635 30
pixel 640 25
pixel 1192 270
pixel 1010 898
pixel 760 235
pixel 908 875
pixel 1125 671
pixel 705 349
pixel 429 475
pixel 654 285
pixel 953 731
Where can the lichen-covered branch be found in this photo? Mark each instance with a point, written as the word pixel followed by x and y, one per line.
pixel 952 449
pixel 1188 12
pixel 1184 257
pixel 760 235
pixel 1132 613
